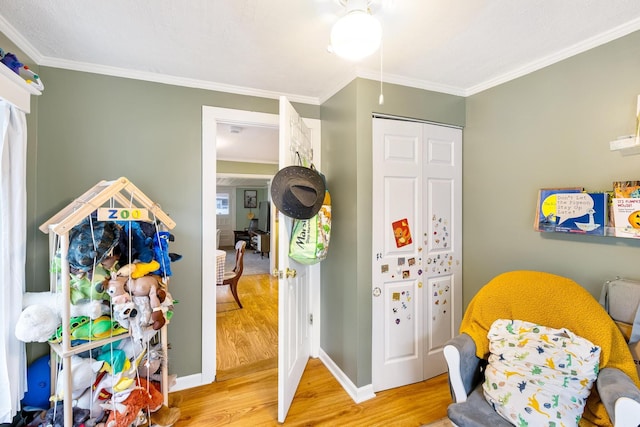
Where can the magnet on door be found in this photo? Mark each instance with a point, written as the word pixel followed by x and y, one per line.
pixel 401 232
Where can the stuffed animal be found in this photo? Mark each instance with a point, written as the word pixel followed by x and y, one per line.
pixel 125 313
pixel 41 315
pixel 138 269
pixel 152 362
pixel 134 244
pixel 54 417
pixel 150 286
pixel 144 396
pixel 90 242
pixel 166 416
pixel 83 283
pixel 86 329
pixel 11 61
pixel 161 253
pixel 82 377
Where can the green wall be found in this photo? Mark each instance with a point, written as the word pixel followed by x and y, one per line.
pixel 242 221
pixel 92 127
pixel 550 128
pixel 223 166
pixel 347 163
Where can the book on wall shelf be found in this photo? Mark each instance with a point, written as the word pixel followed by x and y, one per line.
pixel 626 189
pixel 626 216
pixel 583 213
pixel 625 209
pixel 546 207
pixel 571 210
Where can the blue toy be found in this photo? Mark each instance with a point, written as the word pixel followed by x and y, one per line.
pixel 134 242
pixel 162 255
pixel 11 61
pixel 38 384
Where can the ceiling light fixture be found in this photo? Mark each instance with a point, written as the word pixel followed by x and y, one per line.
pixel 357 34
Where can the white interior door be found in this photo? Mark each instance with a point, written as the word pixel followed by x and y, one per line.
pixel 416 273
pixel 294 291
pixel 397 227
pixel 442 255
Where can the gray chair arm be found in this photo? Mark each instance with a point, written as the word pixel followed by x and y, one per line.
pixel 463 365
pixel 620 397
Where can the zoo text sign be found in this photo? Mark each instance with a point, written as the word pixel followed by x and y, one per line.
pixel 123 214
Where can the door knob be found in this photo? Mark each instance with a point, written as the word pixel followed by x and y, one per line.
pixel 290 273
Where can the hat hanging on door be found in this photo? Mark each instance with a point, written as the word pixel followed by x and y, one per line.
pixel 298 191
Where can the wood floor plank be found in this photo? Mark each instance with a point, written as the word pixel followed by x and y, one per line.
pixel 251 400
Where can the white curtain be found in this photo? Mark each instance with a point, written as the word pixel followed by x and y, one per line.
pixel 13 240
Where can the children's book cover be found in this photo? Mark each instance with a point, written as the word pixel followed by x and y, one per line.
pixel 545 219
pixel 626 189
pixel 626 213
pixel 584 213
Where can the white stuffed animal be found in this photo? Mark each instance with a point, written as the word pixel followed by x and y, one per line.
pixel 82 377
pixel 41 314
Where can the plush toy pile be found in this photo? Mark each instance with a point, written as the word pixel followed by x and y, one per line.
pixel 118 278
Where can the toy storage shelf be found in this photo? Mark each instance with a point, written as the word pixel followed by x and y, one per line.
pixel 77 349
pixel 121 193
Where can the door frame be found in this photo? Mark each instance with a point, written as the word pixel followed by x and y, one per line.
pixel 210 117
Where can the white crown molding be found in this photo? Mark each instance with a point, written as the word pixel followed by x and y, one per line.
pixel 561 55
pixel 172 80
pixel 409 82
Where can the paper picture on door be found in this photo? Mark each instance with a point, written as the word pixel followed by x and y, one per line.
pixel 401 232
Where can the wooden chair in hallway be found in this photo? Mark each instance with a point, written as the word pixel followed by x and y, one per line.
pixel 231 278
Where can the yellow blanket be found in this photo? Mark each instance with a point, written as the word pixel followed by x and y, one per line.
pixel 557 302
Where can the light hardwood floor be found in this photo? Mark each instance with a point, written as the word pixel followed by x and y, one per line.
pixel 247 336
pixel 245 392
pixel 252 400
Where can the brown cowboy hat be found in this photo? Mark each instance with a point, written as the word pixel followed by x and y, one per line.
pixel 298 191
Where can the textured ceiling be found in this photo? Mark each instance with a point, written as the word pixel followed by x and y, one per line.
pixel 247 144
pixel 269 48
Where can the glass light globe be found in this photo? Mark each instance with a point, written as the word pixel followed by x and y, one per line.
pixel 356 35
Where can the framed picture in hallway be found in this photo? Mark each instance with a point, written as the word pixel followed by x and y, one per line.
pixel 250 199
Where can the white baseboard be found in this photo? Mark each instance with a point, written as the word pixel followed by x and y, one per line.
pixel 189 381
pixel 357 394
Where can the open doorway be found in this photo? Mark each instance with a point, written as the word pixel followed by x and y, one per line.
pixel 247 337
pixel 241 341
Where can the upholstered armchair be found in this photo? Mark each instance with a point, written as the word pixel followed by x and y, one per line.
pixel 556 302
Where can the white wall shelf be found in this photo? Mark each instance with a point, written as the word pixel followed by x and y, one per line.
pixel 15 89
